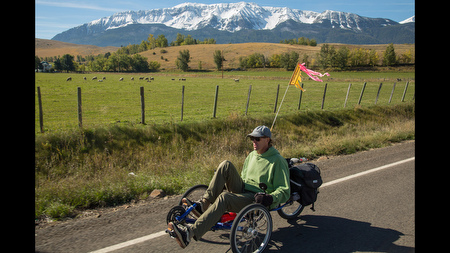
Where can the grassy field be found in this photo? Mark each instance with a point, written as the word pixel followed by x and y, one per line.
pixel 84 168
pixel 113 102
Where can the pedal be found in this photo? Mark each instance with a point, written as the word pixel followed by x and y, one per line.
pixel 171 233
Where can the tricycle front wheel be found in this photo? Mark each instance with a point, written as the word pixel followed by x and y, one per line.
pixel 251 229
pixel 194 193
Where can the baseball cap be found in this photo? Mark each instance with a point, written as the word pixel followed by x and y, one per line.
pixel 261 131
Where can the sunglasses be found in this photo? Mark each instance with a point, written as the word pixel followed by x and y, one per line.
pixel 256 138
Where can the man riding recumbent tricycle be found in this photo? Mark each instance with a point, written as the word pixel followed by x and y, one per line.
pixel 267 182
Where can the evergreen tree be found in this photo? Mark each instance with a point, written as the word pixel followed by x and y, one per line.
pixel 37 62
pixel 183 60
pixel 323 56
pixel 389 57
pixel 67 62
pixel 161 41
pixel 218 59
pixel 289 60
pixel 139 63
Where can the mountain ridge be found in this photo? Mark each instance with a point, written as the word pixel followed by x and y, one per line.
pixel 228 20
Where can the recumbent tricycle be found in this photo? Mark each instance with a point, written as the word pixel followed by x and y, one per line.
pixel 251 228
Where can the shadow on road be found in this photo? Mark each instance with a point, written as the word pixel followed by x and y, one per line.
pixel 315 233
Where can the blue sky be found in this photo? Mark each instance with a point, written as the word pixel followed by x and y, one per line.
pixel 55 16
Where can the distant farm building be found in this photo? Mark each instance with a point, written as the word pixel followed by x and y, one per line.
pixel 45 66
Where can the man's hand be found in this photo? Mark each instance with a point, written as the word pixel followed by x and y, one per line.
pixel 263 198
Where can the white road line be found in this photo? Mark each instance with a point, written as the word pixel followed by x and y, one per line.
pixel 161 233
pixel 365 172
pixel 130 242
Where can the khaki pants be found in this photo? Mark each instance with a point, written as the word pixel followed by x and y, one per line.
pixel 232 201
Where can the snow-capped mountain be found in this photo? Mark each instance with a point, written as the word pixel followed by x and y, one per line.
pixel 230 17
pixel 225 17
pixel 409 20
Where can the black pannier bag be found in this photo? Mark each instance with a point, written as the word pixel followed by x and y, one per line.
pixel 305 179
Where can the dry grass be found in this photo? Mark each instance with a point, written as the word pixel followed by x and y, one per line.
pixel 232 52
pixel 88 168
pixel 47 48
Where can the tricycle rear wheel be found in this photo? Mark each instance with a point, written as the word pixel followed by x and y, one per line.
pixel 291 211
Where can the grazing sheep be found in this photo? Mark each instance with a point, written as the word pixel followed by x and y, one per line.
pixel 100 80
pixel 93 78
pixel 399 79
pixel 182 79
pixel 84 78
pixel 69 79
pixel 141 78
pixel 173 79
pixel 132 78
pixel 104 78
pixel 236 80
pixel 121 79
pixel 151 78
pixel 146 78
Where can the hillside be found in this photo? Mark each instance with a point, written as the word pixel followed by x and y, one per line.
pixel 47 48
pixel 232 52
pixel 201 52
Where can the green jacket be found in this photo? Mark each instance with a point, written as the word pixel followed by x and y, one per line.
pixel 270 168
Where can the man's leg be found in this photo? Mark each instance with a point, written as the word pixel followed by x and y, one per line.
pixel 225 202
pixel 226 175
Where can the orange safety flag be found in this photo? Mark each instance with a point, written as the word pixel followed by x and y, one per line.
pixel 296 77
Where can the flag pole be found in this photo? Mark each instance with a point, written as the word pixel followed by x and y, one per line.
pixel 289 84
pixel 273 123
pixel 296 79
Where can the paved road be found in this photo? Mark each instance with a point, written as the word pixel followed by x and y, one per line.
pixel 368 213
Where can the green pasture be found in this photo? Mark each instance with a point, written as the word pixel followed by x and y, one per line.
pixel 118 102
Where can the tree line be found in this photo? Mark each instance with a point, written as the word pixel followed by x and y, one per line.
pixel 330 57
pixel 300 41
pixel 161 41
pixel 344 58
pixel 126 58
pixel 104 62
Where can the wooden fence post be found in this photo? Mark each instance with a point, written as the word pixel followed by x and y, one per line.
pixel 182 102
pixel 348 91
pixel 300 98
pixel 392 92
pixel 362 92
pixel 248 99
pixel 324 93
pixel 80 118
pixel 404 92
pixel 276 99
pixel 41 116
pixel 215 101
pixel 142 105
pixel 378 93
